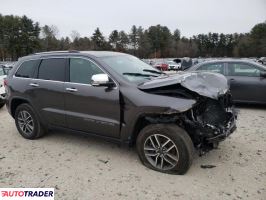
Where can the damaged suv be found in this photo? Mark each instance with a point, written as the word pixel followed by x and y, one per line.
pixel 118 97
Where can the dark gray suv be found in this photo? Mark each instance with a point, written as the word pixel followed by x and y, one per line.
pixel 118 97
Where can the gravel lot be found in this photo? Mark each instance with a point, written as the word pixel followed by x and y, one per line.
pixel 81 167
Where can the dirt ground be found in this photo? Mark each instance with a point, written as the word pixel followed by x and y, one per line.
pixel 81 167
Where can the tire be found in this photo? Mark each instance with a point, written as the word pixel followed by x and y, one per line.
pixel 181 154
pixel 25 111
pixel 2 105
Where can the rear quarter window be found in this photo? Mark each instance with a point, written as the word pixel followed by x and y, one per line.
pixel 27 69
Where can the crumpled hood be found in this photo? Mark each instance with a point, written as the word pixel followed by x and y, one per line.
pixel 206 84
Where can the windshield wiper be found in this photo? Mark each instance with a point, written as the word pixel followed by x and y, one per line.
pixel 153 71
pixel 139 74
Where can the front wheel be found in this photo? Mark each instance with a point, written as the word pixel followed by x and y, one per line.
pixel 166 148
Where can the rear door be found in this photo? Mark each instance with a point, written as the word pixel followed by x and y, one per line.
pixel 47 90
pixel 246 83
pixel 89 108
pixel 22 78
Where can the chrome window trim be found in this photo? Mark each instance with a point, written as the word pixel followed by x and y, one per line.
pixel 66 57
pixel 36 79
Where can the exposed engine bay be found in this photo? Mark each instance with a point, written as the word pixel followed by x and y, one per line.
pixel 212 118
pixel 210 122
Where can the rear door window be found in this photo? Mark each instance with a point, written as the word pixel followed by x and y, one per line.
pixel 213 67
pixel 52 69
pixel 27 69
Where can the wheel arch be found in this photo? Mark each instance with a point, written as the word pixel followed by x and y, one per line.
pixel 15 102
pixel 148 119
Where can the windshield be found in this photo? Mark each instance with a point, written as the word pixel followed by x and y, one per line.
pixel 132 68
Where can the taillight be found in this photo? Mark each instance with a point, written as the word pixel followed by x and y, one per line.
pixel 5 82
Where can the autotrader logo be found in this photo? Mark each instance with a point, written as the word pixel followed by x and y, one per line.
pixel 26 193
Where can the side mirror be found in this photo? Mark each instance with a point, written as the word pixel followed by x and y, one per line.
pixel 263 74
pixel 101 80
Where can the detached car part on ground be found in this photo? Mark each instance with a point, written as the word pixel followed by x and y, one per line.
pixel 125 100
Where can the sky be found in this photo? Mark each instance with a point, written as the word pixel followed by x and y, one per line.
pixel 191 17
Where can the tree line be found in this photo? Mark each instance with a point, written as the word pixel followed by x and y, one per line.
pixel 20 36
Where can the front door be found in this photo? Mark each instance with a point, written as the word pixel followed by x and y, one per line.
pixel 89 108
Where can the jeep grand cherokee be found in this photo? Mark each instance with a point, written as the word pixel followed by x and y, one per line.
pixel 118 97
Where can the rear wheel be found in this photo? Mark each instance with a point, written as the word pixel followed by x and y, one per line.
pixel 166 148
pixel 27 122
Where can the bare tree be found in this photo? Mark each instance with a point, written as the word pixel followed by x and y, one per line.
pixel 74 35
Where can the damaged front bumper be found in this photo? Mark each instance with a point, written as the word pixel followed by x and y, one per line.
pixel 221 133
pixel 212 133
pixel 210 125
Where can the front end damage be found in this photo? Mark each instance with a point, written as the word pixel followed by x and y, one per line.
pixel 209 122
pixel 211 119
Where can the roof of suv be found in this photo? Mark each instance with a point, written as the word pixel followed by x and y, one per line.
pixel 97 54
pixel 93 53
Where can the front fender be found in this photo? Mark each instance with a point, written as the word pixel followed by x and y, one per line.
pixel 146 104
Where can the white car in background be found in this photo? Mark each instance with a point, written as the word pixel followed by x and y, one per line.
pixel 173 65
pixel 3 73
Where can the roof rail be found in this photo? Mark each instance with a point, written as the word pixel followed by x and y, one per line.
pixel 49 52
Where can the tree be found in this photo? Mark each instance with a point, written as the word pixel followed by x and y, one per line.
pixel 160 38
pixel 144 50
pixel 74 35
pixel 258 39
pixel 98 40
pixel 114 39
pixel 64 43
pixel 177 35
pixel 49 41
pixel 134 38
pixel 123 41
pixel 19 36
pixel 29 36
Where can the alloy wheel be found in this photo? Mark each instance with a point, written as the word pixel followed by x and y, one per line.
pixel 161 152
pixel 25 122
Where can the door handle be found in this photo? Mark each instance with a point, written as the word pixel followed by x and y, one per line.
pixel 34 84
pixel 232 79
pixel 71 89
